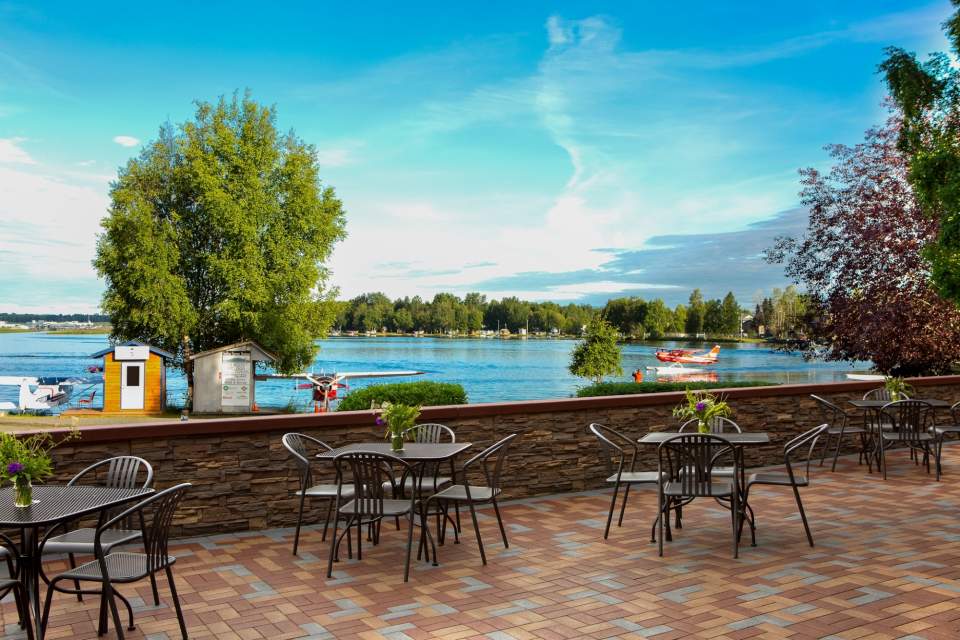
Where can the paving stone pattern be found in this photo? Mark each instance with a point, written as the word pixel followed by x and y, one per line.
pixel 886 565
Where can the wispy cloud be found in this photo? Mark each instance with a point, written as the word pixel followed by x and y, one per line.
pixel 12 153
pixel 126 141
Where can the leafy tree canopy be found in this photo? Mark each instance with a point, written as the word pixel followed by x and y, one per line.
pixel 598 354
pixel 218 232
pixel 928 94
pixel 861 264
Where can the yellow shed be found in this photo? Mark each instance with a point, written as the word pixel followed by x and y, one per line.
pixel 134 378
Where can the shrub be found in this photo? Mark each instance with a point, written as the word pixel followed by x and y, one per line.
pixel 423 393
pixel 628 388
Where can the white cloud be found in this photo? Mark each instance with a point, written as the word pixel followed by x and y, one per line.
pixel 335 157
pixel 126 141
pixel 12 153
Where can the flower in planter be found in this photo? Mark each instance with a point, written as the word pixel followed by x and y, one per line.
pixel 14 468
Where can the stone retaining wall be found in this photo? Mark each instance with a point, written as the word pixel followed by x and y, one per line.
pixel 243 477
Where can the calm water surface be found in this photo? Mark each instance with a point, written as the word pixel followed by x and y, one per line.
pixel 490 369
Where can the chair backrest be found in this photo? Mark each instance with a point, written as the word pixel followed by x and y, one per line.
pixel 882 394
pixel 909 418
pixel 120 472
pixel 613 449
pixel 430 432
pixel 697 454
pixel 805 443
pixel 492 470
pixel 830 413
pixel 369 472
pixel 155 513
pixel 299 444
pixel 717 424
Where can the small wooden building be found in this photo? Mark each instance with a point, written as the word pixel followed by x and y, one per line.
pixel 223 378
pixel 134 378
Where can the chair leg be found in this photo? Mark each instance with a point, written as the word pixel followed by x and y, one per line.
pixel 623 505
pixel 882 461
pixel 76 583
pixel 803 515
pixel 476 529
pixel 939 453
pixel 333 545
pixel 45 617
pixel 326 523
pixel 836 454
pixel 406 566
pixel 156 593
pixel 430 535
pixel 503 532
pixel 613 504
pixel 296 534
pixel 114 612
pixel 826 447
pixel 660 519
pixel 21 596
pixel 176 603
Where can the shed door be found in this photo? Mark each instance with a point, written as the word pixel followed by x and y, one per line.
pixel 131 385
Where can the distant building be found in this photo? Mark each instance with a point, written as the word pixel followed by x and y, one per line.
pixel 223 378
pixel 134 378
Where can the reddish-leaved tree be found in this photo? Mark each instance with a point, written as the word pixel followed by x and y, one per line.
pixel 860 262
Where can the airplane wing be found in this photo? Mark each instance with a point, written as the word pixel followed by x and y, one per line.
pixel 378 374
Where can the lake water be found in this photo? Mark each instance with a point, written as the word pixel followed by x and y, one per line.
pixel 491 370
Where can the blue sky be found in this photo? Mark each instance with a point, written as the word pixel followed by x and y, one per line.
pixel 566 151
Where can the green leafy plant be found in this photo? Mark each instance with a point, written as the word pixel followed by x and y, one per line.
pixel 397 418
pixel 24 460
pixel 424 393
pixel 897 387
pixel 702 406
pixel 598 354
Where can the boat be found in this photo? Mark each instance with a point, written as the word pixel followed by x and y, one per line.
pixel 689 356
pixel 42 394
pixel 675 369
pixel 866 377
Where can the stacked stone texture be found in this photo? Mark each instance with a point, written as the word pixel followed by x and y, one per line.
pixel 243 478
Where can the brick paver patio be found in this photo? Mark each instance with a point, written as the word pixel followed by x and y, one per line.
pixel 886 565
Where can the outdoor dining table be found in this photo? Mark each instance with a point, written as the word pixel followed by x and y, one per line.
pixel 737 440
pixel 52 505
pixel 879 404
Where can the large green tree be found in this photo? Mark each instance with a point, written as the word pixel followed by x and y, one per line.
pixel 218 232
pixel 695 314
pixel 598 354
pixel 928 95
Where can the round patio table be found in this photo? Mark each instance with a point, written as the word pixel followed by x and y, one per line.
pixel 52 504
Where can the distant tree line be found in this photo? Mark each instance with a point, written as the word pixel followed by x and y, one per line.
pixel 781 314
pixel 22 318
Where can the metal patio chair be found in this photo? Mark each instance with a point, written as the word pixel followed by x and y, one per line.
pixel 370 483
pixel 910 423
pixel 120 567
pixel 429 433
pixel 838 426
pixel 299 445
pixel 622 451
pixel 686 462
pixel 882 394
pixel 120 472
pixel 473 495
pixel 10 584
pixel 805 442
pixel 942 431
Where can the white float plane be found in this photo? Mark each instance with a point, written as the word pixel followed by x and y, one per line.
pixel 41 395
pixel 326 385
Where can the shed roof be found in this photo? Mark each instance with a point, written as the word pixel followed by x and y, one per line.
pixel 257 352
pixel 133 343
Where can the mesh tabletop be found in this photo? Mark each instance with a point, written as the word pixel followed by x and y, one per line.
pixel 54 503
pixel 744 438
pixel 879 404
pixel 412 451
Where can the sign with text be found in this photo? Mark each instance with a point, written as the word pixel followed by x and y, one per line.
pixel 122 352
pixel 235 368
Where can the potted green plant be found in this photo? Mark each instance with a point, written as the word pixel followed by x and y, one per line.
pixel 25 460
pixel 398 418
pixel 897 388
pixel 701 406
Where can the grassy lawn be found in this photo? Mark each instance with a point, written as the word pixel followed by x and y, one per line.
pixel 29 422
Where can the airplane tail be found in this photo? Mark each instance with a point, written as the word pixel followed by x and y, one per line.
pixel 714 353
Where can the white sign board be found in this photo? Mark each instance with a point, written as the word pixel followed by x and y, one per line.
pixel 121 352
pixel 235 369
